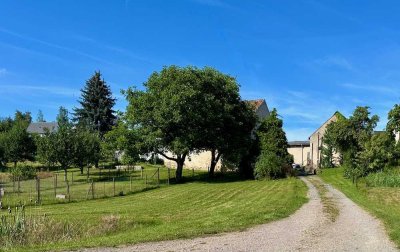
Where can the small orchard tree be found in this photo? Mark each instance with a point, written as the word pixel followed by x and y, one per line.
pixel 18 144
pixel 86 148
pixel 123 140
pixel 274 160
pixel 64 141
pixel 46 149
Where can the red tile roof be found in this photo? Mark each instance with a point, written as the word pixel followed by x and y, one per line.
pixel 256 103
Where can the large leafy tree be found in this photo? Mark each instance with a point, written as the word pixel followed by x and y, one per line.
pixel 351 136
pixel 274 160
pixel 393 124
pixel 96 105
pixel 172 113
pixel 227 120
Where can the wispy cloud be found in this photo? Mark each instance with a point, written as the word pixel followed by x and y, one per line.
pixel 335 61
pixel 214 3
pixel 3 71
pixel 371 88
pixel 38 89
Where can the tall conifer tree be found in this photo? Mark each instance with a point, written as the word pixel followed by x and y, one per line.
pixel 96 105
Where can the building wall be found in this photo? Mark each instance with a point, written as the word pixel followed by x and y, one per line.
pixel 198 161
pixel 300 154
pixel 316 143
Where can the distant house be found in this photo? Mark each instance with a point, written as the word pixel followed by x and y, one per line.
pixel 41 127
pixel 316 140
pixel 202 159
pixel 300 150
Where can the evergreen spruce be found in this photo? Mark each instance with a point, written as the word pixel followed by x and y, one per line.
pixel 96 105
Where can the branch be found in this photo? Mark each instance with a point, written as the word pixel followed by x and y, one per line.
pixel 169 158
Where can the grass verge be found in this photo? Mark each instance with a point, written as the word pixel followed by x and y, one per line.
pixel 177 211
pixel 382 202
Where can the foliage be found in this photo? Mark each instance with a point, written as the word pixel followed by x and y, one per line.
pixel 22 172
pixel 86 148
pixel 274 159
pixel 96 105
pixel 46 149
pixel 387 178
pixel 171 113
pixel 40 117
pixel 350 136
pixel 64 140
pixel 17 144
pixel 393 124
pixel 227 121
pixel 379 152
pixel 124 140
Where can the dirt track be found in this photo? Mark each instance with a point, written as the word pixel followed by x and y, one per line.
pixel 311 228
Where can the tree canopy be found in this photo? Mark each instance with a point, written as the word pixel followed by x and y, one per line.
pixel 274 160
pixel 96 105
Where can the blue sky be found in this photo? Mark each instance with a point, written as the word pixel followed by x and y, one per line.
pixel 306 58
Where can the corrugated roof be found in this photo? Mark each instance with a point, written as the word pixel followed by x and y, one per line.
pixel 39 127
pixel 299 143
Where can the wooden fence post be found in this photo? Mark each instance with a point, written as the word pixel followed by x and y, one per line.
pixel 145 181
pixel 55 185
pixel 38 189
pixel 169 174
pixel 192 172
pixel 114 185
pixel 92 189
pixel 19 184
pixel 130 180
pixel 72 179
pixel 68 194
pixel 158 177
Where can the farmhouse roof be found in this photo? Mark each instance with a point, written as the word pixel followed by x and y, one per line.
pixel 39 127
pixel 255 103
pixel 337 114
pixel 298 143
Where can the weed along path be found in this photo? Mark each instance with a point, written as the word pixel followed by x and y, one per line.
pixel 328 222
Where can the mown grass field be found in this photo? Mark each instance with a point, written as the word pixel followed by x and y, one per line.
pixel 383 202
pixel 79 184
pixel 178 211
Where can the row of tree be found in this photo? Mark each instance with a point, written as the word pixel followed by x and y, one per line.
pixel 359 148
pixel 180 112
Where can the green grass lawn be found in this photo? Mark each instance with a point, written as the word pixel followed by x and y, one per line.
pixel 383 202
pixel 178 211
pixel 125 183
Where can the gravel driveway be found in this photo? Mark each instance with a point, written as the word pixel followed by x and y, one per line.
pixel 309 229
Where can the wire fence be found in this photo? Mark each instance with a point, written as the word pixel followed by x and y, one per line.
pixel 74 186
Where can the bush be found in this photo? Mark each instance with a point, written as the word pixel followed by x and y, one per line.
pixel 22 172
pixel 387 178
pixel 269 165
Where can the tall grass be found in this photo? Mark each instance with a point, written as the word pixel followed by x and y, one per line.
pixel 388 178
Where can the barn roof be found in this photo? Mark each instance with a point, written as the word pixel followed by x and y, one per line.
pixel 255 103
pixel 39 127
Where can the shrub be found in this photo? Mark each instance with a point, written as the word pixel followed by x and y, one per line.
pixel 387 178
pixel 22 172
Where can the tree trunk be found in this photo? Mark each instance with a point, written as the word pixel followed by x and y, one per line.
pixel 81 168
pixel 87 174
pixel 179 167
pixel 214 161
pixel 15 164
pixel 65 175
